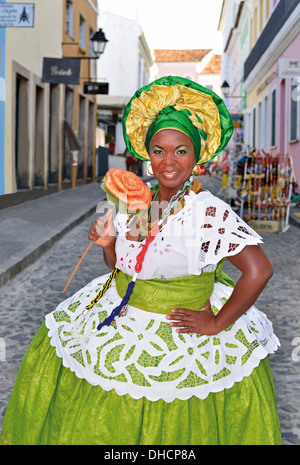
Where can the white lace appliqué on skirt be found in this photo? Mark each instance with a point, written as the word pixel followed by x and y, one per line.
pixel 141 355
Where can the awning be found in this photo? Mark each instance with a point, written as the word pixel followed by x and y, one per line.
pixel 73 140
pixel 116 102
pixel 108 122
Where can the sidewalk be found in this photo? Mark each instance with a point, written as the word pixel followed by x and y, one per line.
pixel 29 229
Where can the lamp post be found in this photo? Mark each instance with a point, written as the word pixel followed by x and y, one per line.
pixel 99 42
pixel 225 88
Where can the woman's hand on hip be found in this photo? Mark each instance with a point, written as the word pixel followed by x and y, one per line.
pixel 191 321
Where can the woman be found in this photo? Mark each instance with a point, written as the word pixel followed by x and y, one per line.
pixel 185 361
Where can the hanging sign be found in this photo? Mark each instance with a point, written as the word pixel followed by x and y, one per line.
pixel 96 88
pixel 289 67
pixel 16 14
pixel 61 71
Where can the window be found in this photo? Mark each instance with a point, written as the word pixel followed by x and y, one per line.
pixel 294 110
pixel 247 128
pixel 273 120
pixel 70 18
pixel 91 46
pixel 266 113
pixel 259 129
pixel 260 15
pixel 82 33
pixel 254 128
pixel 255 25
pixel 93 63
pixel 267 9
pixel 2 90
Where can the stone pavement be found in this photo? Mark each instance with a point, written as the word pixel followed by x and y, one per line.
pixel 36 289
pixel 29 229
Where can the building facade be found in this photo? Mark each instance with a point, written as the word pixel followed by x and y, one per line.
pixel 2 106
pixel 273 97
pixel 234 23
pixel 202 66
pixel 267 34
pixel 80 23
pixel 125 66
pixel 42 119
pixel 27 97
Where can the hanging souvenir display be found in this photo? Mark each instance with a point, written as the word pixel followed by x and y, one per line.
pixel 264 197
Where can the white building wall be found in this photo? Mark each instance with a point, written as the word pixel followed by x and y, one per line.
pixel 119 64
pixel 122 65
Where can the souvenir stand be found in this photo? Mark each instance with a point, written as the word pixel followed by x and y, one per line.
pixel 265 195
pixel 228 164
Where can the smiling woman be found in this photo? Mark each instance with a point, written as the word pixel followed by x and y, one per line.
pixel 166 349
pixel 172 157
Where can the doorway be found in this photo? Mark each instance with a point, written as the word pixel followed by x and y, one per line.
pixel 39 146
pixel 54 134
pixel 22 133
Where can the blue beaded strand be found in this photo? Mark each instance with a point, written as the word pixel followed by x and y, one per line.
pixel 117 310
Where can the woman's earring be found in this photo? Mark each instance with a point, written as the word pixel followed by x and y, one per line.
pixel 148 170
pixel 196 170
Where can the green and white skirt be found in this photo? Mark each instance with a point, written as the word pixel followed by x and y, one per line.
pixel 138 381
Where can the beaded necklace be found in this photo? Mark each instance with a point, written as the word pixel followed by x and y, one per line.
pixel 150 212
pixel 121 309
pixel 140 257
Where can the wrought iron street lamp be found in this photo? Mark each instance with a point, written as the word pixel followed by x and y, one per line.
pixel 99 42
pixel 225 88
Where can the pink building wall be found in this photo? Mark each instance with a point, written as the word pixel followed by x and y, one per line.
pixel 274 4
pixel 283 109
pixel 183 69
pixel 235 79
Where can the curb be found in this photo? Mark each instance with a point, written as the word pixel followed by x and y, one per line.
pixel 35 254
pixel 19 266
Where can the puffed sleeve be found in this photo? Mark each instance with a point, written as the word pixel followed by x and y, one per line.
pixel 223 232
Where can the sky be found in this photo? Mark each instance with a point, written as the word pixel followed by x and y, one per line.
pixel 173 24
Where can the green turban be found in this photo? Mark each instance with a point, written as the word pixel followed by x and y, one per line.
pixel 176 103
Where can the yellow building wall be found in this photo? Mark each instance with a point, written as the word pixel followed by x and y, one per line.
pixel 88 11
pixel 259 15
pixel 25 49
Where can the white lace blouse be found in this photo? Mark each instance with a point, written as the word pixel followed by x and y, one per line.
pixel 191 242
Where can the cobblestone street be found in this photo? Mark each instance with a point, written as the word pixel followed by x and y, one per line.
pixel 36 291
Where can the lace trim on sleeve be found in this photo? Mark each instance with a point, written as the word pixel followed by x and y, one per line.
pixel 224 233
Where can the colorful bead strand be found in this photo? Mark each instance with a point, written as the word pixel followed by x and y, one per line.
pixel 140 257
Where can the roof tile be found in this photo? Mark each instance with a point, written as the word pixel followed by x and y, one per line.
pixel 164 56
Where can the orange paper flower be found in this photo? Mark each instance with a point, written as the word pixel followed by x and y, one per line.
pixel 128 188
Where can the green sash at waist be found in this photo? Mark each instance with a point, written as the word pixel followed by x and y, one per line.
pixel 161 295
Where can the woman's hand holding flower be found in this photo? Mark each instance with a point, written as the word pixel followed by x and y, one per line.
pixel 102 231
